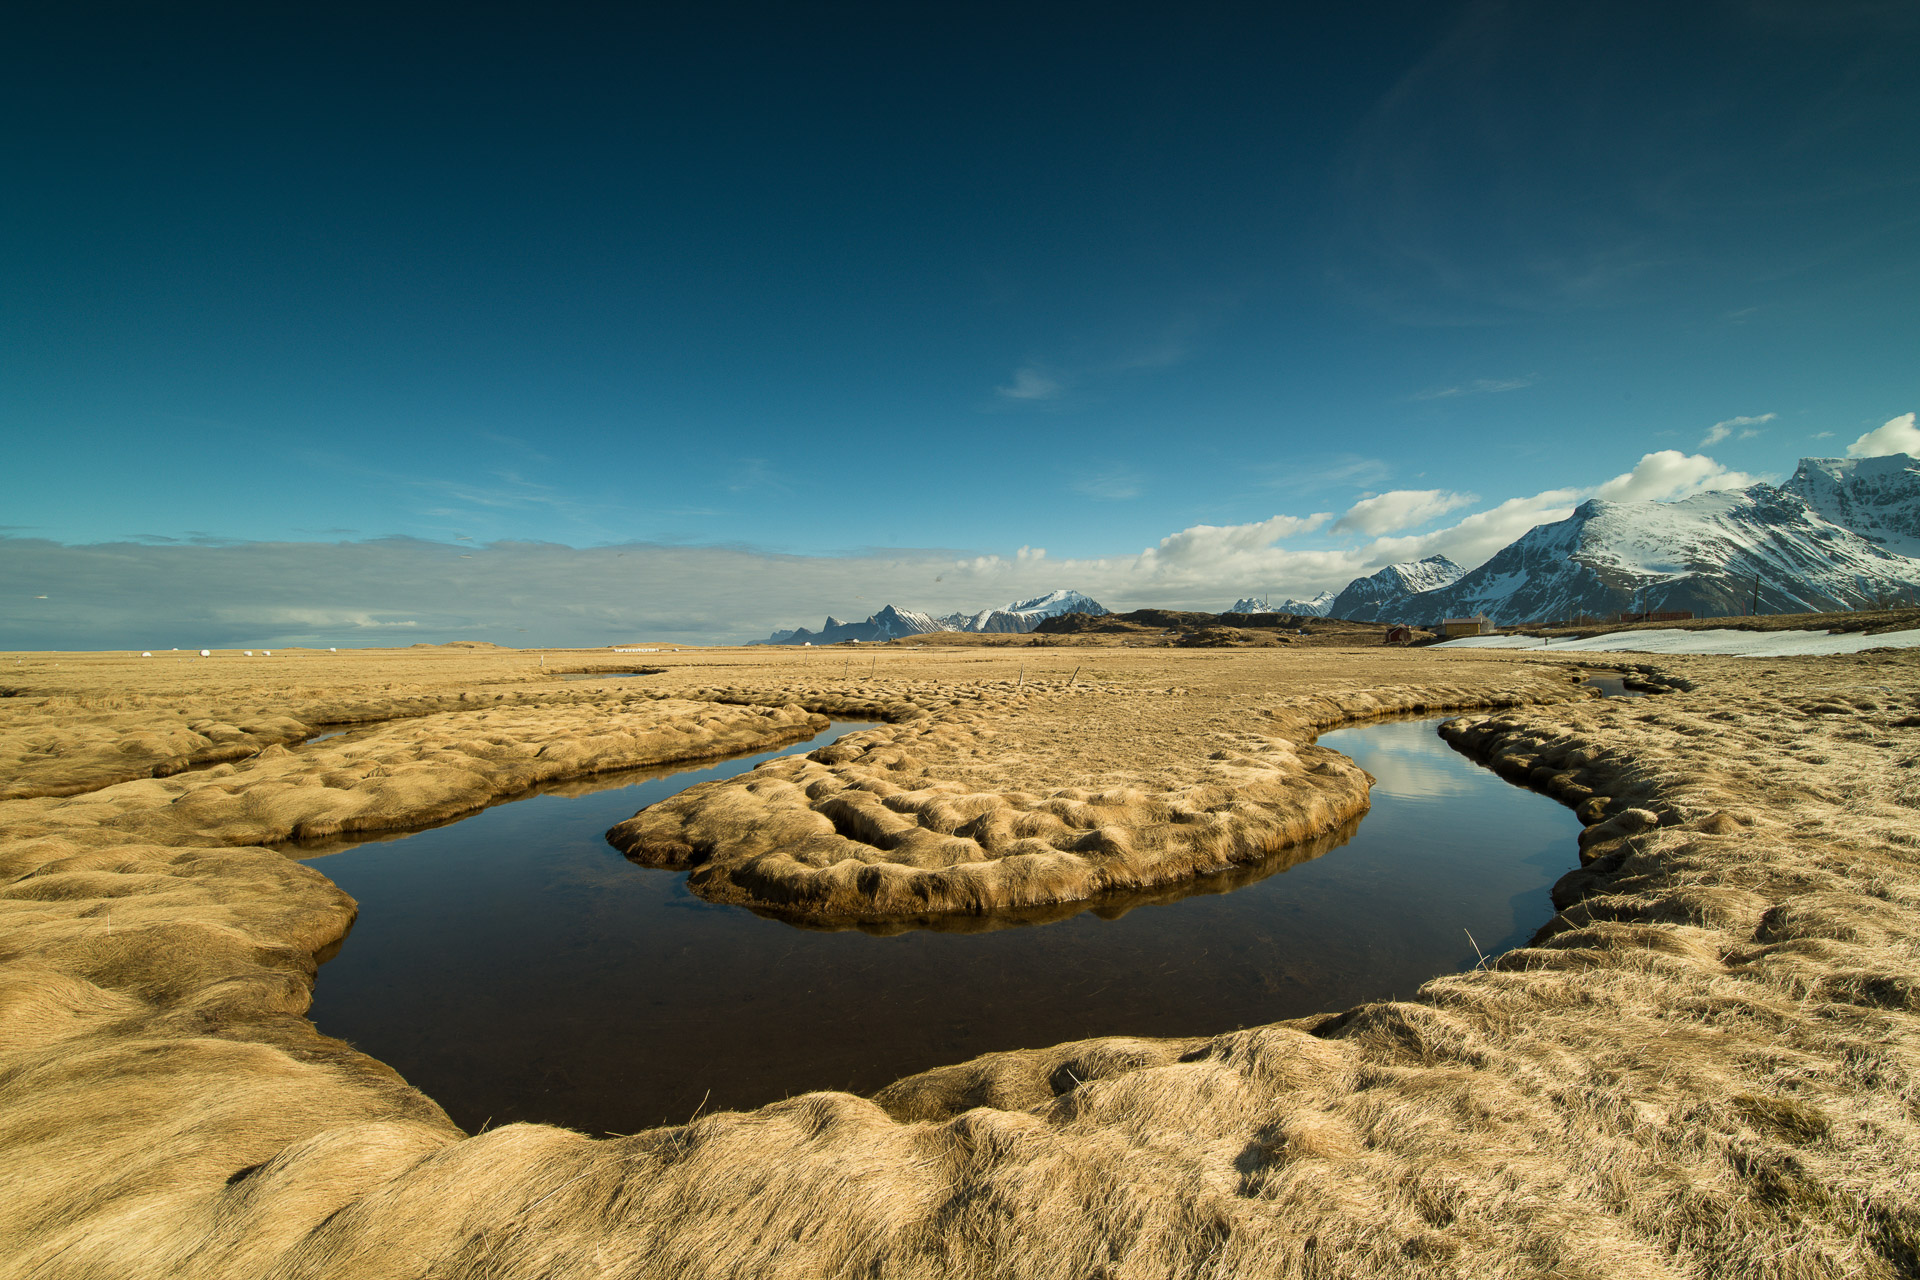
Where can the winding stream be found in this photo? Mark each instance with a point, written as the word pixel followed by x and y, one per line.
pixel 515 967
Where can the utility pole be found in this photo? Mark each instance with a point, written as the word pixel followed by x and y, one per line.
pixel 1754 612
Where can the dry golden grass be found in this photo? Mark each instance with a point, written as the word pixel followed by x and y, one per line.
pixel 1707 1064
pixel 992 797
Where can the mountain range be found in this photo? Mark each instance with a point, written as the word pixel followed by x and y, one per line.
pixel 1842 533
pixel 891 623
pixel 1838 535
pixel 1316 607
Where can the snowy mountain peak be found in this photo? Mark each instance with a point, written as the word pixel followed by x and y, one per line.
pixel 1436 570
pixel 1025 615
pixel 1877 498
pixel 893 622
pixel 1373 598
pixel 1315 607
pixel 1711 554
pixel 1055 603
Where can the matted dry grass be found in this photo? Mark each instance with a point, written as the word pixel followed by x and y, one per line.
pixel 990 799
pixel 1708 1064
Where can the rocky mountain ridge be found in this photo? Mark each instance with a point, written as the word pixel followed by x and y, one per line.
pixel 1316 607
pixel 1763 549
pixel 1877 498
pixel 892 622
pixel 1375 597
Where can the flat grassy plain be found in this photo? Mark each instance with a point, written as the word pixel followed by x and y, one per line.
pixel 1707 1063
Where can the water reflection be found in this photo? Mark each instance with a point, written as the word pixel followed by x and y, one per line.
pixel 1415 765
pixel 517 968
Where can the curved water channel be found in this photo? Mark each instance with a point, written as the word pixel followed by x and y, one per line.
pixel 516 967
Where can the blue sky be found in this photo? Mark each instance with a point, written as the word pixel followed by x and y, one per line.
pixel 825 289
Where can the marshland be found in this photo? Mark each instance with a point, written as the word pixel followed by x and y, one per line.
pixel 960 642
pixel 1674 1035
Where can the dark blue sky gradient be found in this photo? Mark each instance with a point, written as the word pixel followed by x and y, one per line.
pixel 594 274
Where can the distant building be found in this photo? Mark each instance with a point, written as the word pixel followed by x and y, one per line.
pixel 1478 625
pixel 1399 634
pixel 1677 615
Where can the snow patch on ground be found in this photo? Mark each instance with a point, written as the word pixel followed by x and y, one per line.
pixel 1740 644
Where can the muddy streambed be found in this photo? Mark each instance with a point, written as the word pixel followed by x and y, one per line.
pixel 515 967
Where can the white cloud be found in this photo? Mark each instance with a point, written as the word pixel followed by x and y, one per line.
pixel 1478 387
pixel 1400 509
pixel 1657 477
pixel 277 595
pixel 1475 539
pixel 1670 474
pixel 1031 383
pixel 1202 543
pixel 1745 427
pixel 1895 435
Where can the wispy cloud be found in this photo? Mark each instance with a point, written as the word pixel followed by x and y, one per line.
pixel 486 505
pixel 1111 484
pixel 1743 428
pixel 1084 366
pixel 1031 383
pixel 1345 469
pixel 516 444
pixel 1478 387
pixel 750 474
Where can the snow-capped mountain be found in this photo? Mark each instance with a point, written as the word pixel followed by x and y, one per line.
pixel 1843 533
pixel 1024 615
pixel 888 624
pixel 1319 606
pixel 1381 597
pixel 1877 498
pixel 1707 554
pixel 1314 608
pixel 891 623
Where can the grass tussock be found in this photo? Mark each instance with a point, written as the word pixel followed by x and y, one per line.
pixel 953 812
pixel 1707 1062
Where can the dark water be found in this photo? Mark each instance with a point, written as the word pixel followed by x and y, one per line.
pixel 515 967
